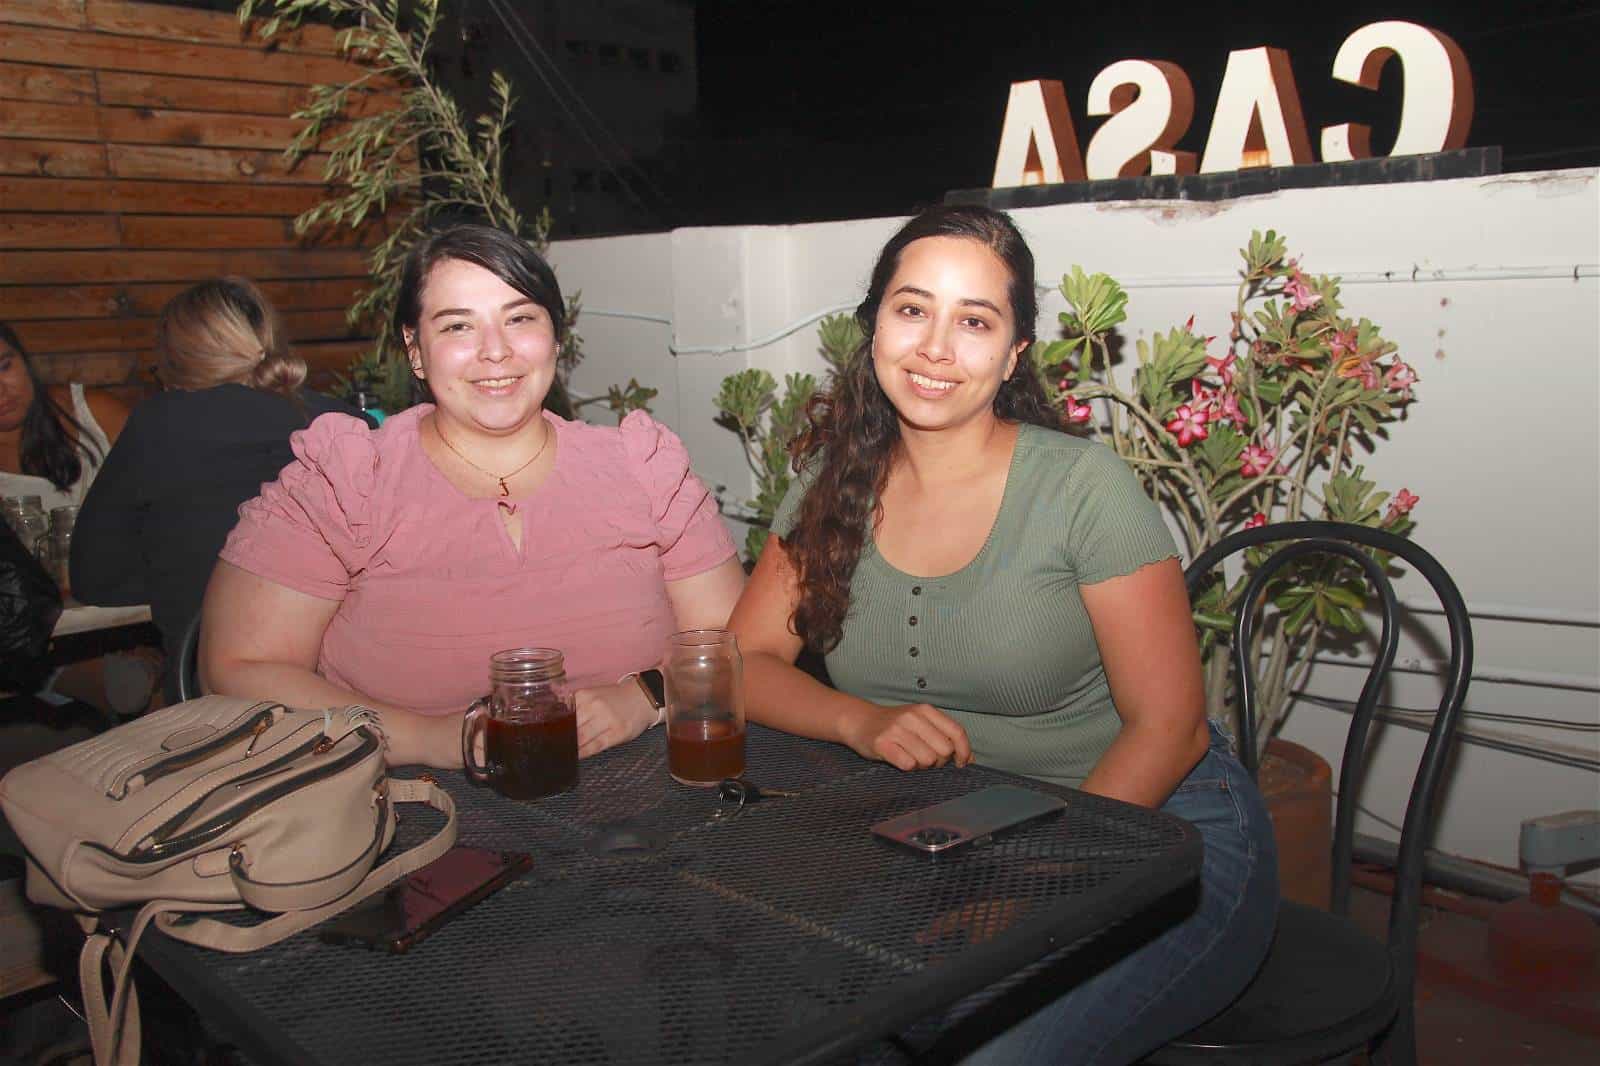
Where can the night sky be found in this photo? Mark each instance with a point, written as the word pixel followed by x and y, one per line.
pixel 834 110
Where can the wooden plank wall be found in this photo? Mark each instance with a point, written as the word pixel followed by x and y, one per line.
pixel 140 151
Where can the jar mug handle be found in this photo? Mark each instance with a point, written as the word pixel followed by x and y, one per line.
pixel 472 726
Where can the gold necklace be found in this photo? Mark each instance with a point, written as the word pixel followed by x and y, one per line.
pixel 505 490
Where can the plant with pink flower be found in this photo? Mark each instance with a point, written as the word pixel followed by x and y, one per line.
pixel 1270 428
pixel 1256 460
pixel 1074 412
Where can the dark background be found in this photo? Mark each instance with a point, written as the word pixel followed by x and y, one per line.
pixel 809 110
pixel 875 108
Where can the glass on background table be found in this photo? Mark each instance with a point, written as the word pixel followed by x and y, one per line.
pixel 659 924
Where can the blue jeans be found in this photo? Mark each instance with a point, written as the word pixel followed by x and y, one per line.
pixel 1162 986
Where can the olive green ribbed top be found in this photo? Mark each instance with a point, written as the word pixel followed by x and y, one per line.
pixel 1004 645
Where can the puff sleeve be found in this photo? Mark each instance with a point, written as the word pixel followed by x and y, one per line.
pixel 690 532
pixel 311 530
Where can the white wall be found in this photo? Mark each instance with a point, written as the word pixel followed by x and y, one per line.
pixel 1488 285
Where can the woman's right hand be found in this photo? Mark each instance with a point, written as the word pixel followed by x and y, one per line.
pixel 913 736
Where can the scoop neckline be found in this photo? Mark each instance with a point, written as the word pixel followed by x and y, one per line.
pixel 999 515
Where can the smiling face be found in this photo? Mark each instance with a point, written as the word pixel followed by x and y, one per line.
pixel 487 351
pixel 945 336
pixel 16 389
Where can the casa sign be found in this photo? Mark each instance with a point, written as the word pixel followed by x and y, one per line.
pixel 1149 105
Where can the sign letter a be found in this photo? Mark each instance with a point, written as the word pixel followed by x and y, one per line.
pixel 1038 145
pixel 1258 110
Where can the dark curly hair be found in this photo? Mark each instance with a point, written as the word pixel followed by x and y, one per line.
pixel 55 445
pixel 852 429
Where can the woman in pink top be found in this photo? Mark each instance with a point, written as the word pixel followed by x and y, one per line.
pixel 385 566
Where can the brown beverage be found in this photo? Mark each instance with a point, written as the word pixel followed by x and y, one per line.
pixel 530 758
pixel 704 751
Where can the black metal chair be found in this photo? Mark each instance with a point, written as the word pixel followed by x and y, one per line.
pixel 184 681
pixel 1326 988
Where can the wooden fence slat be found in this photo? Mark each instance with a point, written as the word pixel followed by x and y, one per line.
pixel 75 335
pixel 156 197
pixel 212 164
pixel 64 13
pixel 69 268
pixel 57 231
pixel 90 368
pixel 56 85
pixel 23 303
pixel 52 159
pixel 200 129
pixel 202 27
pixel 186 231
pixel 58 336
pixel 176 93
pixel 119 89
pixel 99 51
pixel 57 122
pixel 331 357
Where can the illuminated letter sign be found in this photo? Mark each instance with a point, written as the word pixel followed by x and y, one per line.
pixel 1151 104
pixel 1258 111
pixel 1257 122
pixel 1436 109
pixel 1038 145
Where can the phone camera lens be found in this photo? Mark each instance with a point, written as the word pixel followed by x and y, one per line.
pixel 935 836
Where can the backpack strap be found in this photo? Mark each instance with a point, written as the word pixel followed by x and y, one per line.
pixel 222 936
pixel 114 1029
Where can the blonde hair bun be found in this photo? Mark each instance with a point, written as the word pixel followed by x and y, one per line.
pixel 225 331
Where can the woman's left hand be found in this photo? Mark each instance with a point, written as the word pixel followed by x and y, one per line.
pixel 609 715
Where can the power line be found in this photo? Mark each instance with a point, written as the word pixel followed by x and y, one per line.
pixel 522 37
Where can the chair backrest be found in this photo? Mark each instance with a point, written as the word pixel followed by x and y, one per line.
pixel 1301 539
pixel 186 670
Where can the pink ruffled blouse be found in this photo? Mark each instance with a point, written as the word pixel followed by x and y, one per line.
pixel 429 582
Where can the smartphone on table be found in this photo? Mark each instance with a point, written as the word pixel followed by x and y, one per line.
pixel 970 819
pixel 409 911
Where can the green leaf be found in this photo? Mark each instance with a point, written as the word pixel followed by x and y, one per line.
pixel 1096 303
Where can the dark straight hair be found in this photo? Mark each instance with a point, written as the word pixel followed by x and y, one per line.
pixel 508 257
pixel 852 430
pixel 48 449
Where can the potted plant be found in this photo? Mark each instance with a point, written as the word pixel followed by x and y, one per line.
pixel 1268 427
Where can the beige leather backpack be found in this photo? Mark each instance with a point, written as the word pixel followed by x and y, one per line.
pixel 210 805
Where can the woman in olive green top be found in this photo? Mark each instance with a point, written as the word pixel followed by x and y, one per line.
pixel 987 588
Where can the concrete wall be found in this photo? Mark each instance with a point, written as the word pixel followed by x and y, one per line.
pixel 1488 285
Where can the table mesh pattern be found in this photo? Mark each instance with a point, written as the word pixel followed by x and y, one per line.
pixel 649 930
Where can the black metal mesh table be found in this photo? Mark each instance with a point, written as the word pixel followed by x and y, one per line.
pixel 650 931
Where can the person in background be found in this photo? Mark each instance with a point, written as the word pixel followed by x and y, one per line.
pixel 989 589
pixel 52 440
pixel 169 492
pixel 385 566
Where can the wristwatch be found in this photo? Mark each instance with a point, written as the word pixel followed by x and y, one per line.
pixel 654 687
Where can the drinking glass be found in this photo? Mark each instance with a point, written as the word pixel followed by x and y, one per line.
pixel 705 707
pixel 529 726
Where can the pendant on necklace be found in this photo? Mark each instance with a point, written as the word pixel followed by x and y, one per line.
pixel 504 490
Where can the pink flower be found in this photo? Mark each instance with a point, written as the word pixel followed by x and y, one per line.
pixel 1342 343
pixel 1301 298
pixel 1223 367
pixel 1401 505
pixel 1400 378
pixel 1073 411
pixel 1204 400
pixel 1255 520
pixel 1256 460
pixel 1227 409
pixel 1189 425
